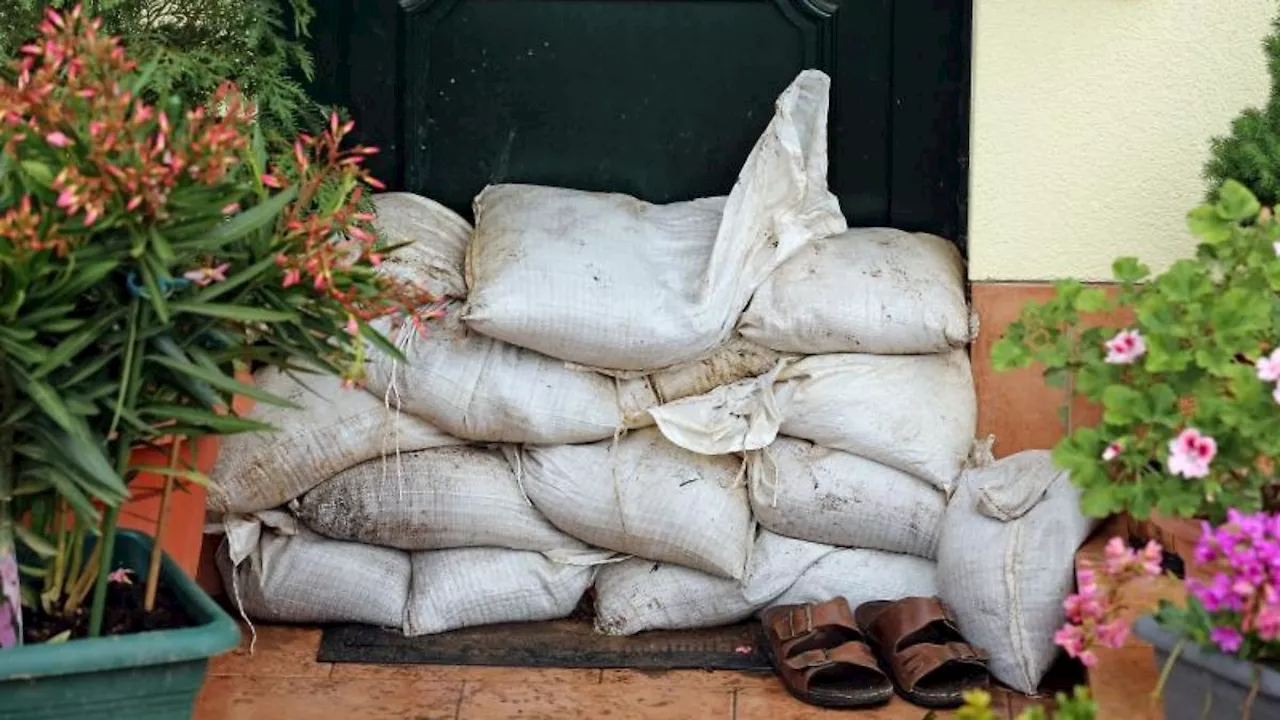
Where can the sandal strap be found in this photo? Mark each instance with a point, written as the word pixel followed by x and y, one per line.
pixel 801 620
pixel 809 663
pixel 915 663
pixel 906 617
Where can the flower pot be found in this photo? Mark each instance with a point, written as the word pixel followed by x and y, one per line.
pixel 1208 685
pixel 151 675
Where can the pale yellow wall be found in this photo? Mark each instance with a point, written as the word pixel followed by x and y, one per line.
pixel 1091 123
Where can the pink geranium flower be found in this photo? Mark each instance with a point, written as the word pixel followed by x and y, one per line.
pixel 1190 454
pixel 1112 451
pixel 1269 366
pixel 1126 347
pixel 1228 639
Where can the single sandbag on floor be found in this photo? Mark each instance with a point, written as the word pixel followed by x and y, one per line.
pixel 638 595
pixel 1006 560
pixel 277 571
pixel 644 496
pixel 434 240
pixel 333 429
pixel 861 576
pixel 610 281
pixel 463 496
pixel 915 413
pixel 829 496
pixel 867 290
pixel 480 586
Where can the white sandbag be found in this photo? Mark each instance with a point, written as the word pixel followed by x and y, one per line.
pixel 639 595
pixel 916 413
pixel 868 290
pixel 644 496
pixel 729 363
pixel 452 497
pixel 1006 561
pixel 278 571
pixel 829 496
pixel 486 390
pixel 436 240
pixel 479 586
pixel 610 281
pixel 862 576
pixel 334 429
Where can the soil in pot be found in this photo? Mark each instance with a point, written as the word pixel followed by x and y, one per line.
pixel 124 615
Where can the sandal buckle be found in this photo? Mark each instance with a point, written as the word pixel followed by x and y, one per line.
pixel 808 622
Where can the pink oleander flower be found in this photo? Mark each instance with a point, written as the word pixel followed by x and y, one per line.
pixel 57 139
pixel 121 576
pixel 208 275
pixel 1190 454
pixel 1112 452
pixel 1126 347
pixel 231 209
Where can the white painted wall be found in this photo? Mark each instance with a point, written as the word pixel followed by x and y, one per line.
pixel 1091 124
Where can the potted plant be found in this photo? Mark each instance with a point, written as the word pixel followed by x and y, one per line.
pixel 1220 652
pixel 1076 706
pixel 1188 389
pixel 148 251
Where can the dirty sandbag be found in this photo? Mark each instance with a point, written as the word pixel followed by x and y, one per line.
pixel 462 496
pixel 333 429
pixel 466 587
pixel 609 281
pixel 433 242
pixel 806 491
pixel 899 293
pixel 643 496
pixel 638 595
pixel 860 575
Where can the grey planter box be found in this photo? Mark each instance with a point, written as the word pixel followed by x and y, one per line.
pixel 1208 685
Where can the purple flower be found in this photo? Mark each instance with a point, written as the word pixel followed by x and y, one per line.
pixel 1228 639
pixel 8 628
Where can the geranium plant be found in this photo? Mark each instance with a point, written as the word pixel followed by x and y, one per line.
pixel 148 253
pixel 1188 388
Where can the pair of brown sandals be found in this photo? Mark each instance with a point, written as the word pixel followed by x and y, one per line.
pixel 826 655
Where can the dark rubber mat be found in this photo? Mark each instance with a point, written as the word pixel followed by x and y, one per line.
pixel 569 643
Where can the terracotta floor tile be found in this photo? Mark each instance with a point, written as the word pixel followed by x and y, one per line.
pixel 712 679
pixel 1122 684
pixel 488 701
pixel 281 651
pixel 776 704
pixel 257 698
pixel 467 673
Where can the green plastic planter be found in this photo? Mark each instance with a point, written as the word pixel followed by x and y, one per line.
pixel 147 676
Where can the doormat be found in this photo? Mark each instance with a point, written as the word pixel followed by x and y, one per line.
pixel 571 643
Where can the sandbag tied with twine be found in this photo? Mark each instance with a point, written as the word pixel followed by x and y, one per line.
pixel 333 429
pixel 1006 559
pixel 479 586
pixel 803 490
pixel 898 293
pixel 609 281
pixel 278 571
pixel 463 496
pixel 643 496
pixel 638 595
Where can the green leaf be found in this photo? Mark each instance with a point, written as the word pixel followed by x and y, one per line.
pixel 242 224
pixel 51 403
pixel 220 381
pixel 37 544
pixel 382 343
pixel 217 290
pixel 221 424
pixel 1122 404
pixel 164 252
pixel 194 476
pixel 39 172
pixel 86 276
pixel 1008 355
pixel 1206 224
pixel 1235 202
pixel 22 352
pixel 73 345
pixel 1091 300
pixel 240 313
pixel 158 301
pixel 36 317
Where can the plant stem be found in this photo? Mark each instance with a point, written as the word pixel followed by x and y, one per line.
pixel 157 553
pixel 8 547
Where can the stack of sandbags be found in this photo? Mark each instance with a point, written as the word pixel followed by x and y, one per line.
pixel 580 312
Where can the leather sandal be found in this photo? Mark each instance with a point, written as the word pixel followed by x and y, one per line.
pixel 822 658
pixel 917 639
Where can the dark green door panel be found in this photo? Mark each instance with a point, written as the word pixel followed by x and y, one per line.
pixel 661 99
